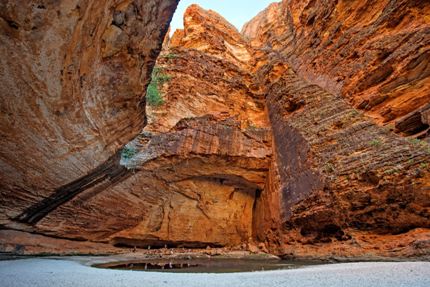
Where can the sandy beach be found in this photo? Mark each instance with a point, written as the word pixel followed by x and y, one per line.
pixel 50 272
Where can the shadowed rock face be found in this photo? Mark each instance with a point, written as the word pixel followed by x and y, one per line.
pixel 339 179
pixel 374 53
pixel 73 83
pixel 343 185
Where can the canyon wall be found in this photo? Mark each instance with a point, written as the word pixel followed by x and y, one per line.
pixel 73 78
pixel 335 72
pixel 373 53
pixel 306 134
pixel 207 140
pixel 190 177
pixel 346 187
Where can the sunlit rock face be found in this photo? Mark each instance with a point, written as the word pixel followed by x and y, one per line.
pixel 207 142
pixel 190 178
pixel 373 53
pixel 205 30
pixel 204 175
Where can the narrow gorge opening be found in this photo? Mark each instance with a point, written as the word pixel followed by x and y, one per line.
pixel 200 107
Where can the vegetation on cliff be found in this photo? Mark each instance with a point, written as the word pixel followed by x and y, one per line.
pixel 153 94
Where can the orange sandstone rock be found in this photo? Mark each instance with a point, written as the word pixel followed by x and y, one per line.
pixel 190 178
pixel 259 135
pixel 73 77
pixel 373 53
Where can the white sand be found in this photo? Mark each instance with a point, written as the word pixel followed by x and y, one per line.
pixel 49 272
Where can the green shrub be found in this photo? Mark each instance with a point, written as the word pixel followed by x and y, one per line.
pixel 392 171
pixel 375 143
pixel 414 141
pixel 128 152
pixel 417 142
pixel 251 125
pixel 171 56
pixel 153 94
pixel 353 113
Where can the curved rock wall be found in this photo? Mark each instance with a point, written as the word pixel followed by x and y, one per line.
pixel 344 184
pixel 73 78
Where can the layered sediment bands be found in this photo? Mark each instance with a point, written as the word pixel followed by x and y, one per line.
pixel 73 76
pixel 344 186
pixel 24 243
pixel 181 191
pixel 277 138
pixel 416 122
pixel 203 84
pixel 208 173
pixel 211 72
pixel 374 53
pixel 341 177
pixel 207 31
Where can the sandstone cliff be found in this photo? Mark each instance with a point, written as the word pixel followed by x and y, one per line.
pixel 73 77
pixel 207 141
pixel 373 53
pixel 293 134
pixel 191 177
pixel 343 185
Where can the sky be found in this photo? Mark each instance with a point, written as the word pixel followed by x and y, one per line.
pixel 237 12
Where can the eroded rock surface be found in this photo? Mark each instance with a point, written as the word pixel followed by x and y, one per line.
pixel 373 53
pixel 192 176
pixel 343 185
pixel 73 78
pixel 272 138
pixel 208 142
